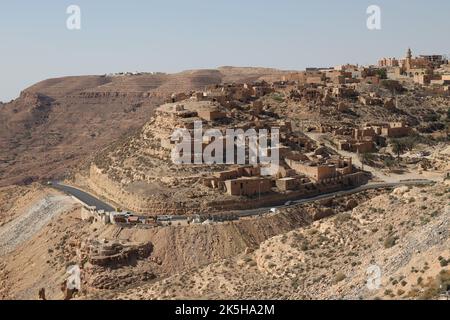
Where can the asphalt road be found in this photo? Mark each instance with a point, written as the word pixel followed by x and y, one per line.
pixel 252 212
pixel 83 197
pixel 101 205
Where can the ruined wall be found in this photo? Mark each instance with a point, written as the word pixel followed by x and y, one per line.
pixel 396 132
pixel 317 173
pixel 248 187
pixel 100 184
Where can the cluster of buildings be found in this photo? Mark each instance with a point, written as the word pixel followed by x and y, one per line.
pixel 228 95
pixel 342 76
pixel 427 70
pixel 212 115
pixel 92 214
pixel 337 87
pixel 133 73
pixel 301 169
pixel 368 137
pixel 304 174
pixel 322 85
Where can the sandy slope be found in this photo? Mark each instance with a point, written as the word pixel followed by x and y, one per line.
pixel 279 256
pixel 330 259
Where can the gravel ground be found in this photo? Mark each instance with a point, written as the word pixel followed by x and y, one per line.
pixel 32 220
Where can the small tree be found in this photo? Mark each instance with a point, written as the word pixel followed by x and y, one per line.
pixel 382 74
pixel 388 162
pixel 366 157
pixel 410 142
pixel 398 147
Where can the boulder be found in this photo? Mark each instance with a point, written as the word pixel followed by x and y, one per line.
pixel 342 106
pixel 351 204
pixel 324 213
pixel 327 202
pixel 400 190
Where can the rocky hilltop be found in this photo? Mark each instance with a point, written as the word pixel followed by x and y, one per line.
pixel 58 122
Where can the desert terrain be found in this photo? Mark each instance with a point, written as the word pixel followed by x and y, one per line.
pixel 362 186
pixel 319 250
pixel 57 123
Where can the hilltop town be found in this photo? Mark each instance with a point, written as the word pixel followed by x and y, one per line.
pixel 363 125
pixel 361 177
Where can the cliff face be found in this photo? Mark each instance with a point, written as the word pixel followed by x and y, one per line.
pixel 102 185
pixel 43 136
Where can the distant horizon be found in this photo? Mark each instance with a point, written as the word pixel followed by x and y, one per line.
pixel 179 36
pixel 213 68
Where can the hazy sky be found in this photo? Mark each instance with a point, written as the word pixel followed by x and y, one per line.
pixel 138 35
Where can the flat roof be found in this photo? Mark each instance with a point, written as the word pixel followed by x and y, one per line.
pixel 191 105
pixel 247 178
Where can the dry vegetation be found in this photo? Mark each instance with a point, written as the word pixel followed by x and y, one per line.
pixel 408 239
pixel 286 255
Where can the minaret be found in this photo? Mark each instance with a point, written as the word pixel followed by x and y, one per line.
pixel 409 54
pixel 408 64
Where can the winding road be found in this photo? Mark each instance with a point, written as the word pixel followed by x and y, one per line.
pixel 82 196
pixel 387 181
pixel 253 212
pixel 90 200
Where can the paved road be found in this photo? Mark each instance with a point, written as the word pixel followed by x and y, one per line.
pixel 252 212
pixel 83 196
pixel 92 201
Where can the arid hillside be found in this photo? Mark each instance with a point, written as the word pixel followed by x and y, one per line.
pixel 58 122
pixel 319 250
pixel 403 233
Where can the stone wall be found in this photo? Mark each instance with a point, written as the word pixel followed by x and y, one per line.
pixel 101 184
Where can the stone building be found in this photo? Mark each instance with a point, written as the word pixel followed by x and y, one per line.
pixel 396 130
pixel 288 183
pixel 248 186
pixel 332 168
pixel 357 146
pixel 388 62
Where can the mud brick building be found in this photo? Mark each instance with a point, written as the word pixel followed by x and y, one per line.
pixel 248 186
